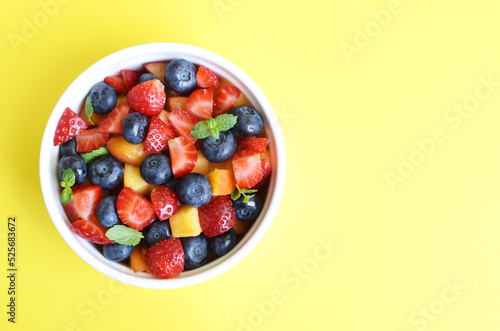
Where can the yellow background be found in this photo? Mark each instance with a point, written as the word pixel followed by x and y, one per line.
pixel 348 122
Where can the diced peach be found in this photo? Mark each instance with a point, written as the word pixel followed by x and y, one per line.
pixel 176 103
pixel 202 165
pixel 137 261
pixel 227 165
pixel 96 118
pixel 241 227
pixel 132 178
pixel 157 69
pixel 122 99
pixel 164 116
pixel 126 152
pixel 186 222
pixel 222 181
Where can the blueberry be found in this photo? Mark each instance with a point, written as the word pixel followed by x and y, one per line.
pixel 173 183
pixel 146 77
pixel 194 190
pixel 155 169
pixel 67 148
pixel 219 150
pixel 249 122
pixel 156 232
pixel 135 128
pixel 223 243
pixel 249 211
pixel 180 76
pixel 103 98
pixel 117 252
pixel 105 171
pixel 76 163
pixel 195 251
pixel 106 211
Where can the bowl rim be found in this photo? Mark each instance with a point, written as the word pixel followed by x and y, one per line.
pixel 81 247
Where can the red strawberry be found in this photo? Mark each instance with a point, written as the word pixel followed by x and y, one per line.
pixel 183 155
pixel 266 168
pixel 206 78
pixel 91 230
pixel 118 83
pixel 69 126
pixel 89 140
pixel 166 258
pixel 217 216
pixel 158 136
pixel 134 210
pixel 201 103
pixel 182 123
pixel 227 96
pixel 147 98
pixel 113 123
pixel 247 168
pixel 165 201
pixel 130 77
pixel 84 203
pixel 258 145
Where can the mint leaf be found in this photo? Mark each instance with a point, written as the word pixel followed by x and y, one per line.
pixel 247 198
pixel 87 157
pixel 235 195
pixel 239 192
pixel 66 195
pixel 213 126
pixel 89 109
pixel 68 178
pixel 124 235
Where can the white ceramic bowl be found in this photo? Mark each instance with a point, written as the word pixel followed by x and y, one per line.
pixel 134 58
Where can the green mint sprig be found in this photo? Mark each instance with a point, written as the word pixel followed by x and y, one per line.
pixel 89 109
pixel 239 192
pixel 67 182
pixel 87 157
pixel 124 235
pixel 213 126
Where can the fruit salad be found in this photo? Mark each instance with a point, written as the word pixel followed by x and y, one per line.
pixel 163 169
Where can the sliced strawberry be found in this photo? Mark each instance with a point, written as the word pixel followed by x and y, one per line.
pixel 217 216
pixel 206 78
pixel 158 136
pixel 157 69
pixel 183 155
pixel 266 169
pixel 117 82
pixel 134 210
pixel 147 98
pixel 113 123
pixel 200 103
pixel 91 230
pixel 165 201
pixel 247 167
pixel 69 126
pixel 166 258
pixel 84 203
pixel 89 140
pixel 227 96
pixel 130 77
pixel 258 145
pixel 182 123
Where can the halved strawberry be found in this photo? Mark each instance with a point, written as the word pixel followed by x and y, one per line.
pixel 266 170
pixel 201 103
pixel 158 136
pixel 217 216
pixel 89 140
pixel 183 155
pixel 247 167
pixel 134 210
pixel 227 96
pixel 130 77
pixel 69 126
pixel 165 201
pixel 182 123
pixel 113 123
pixel 91 230
pixel 84 203
pixel 117 82
pixel 258 145
pixel 157 69
pixel 206 78
pixel 166 258
pixel 147 98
